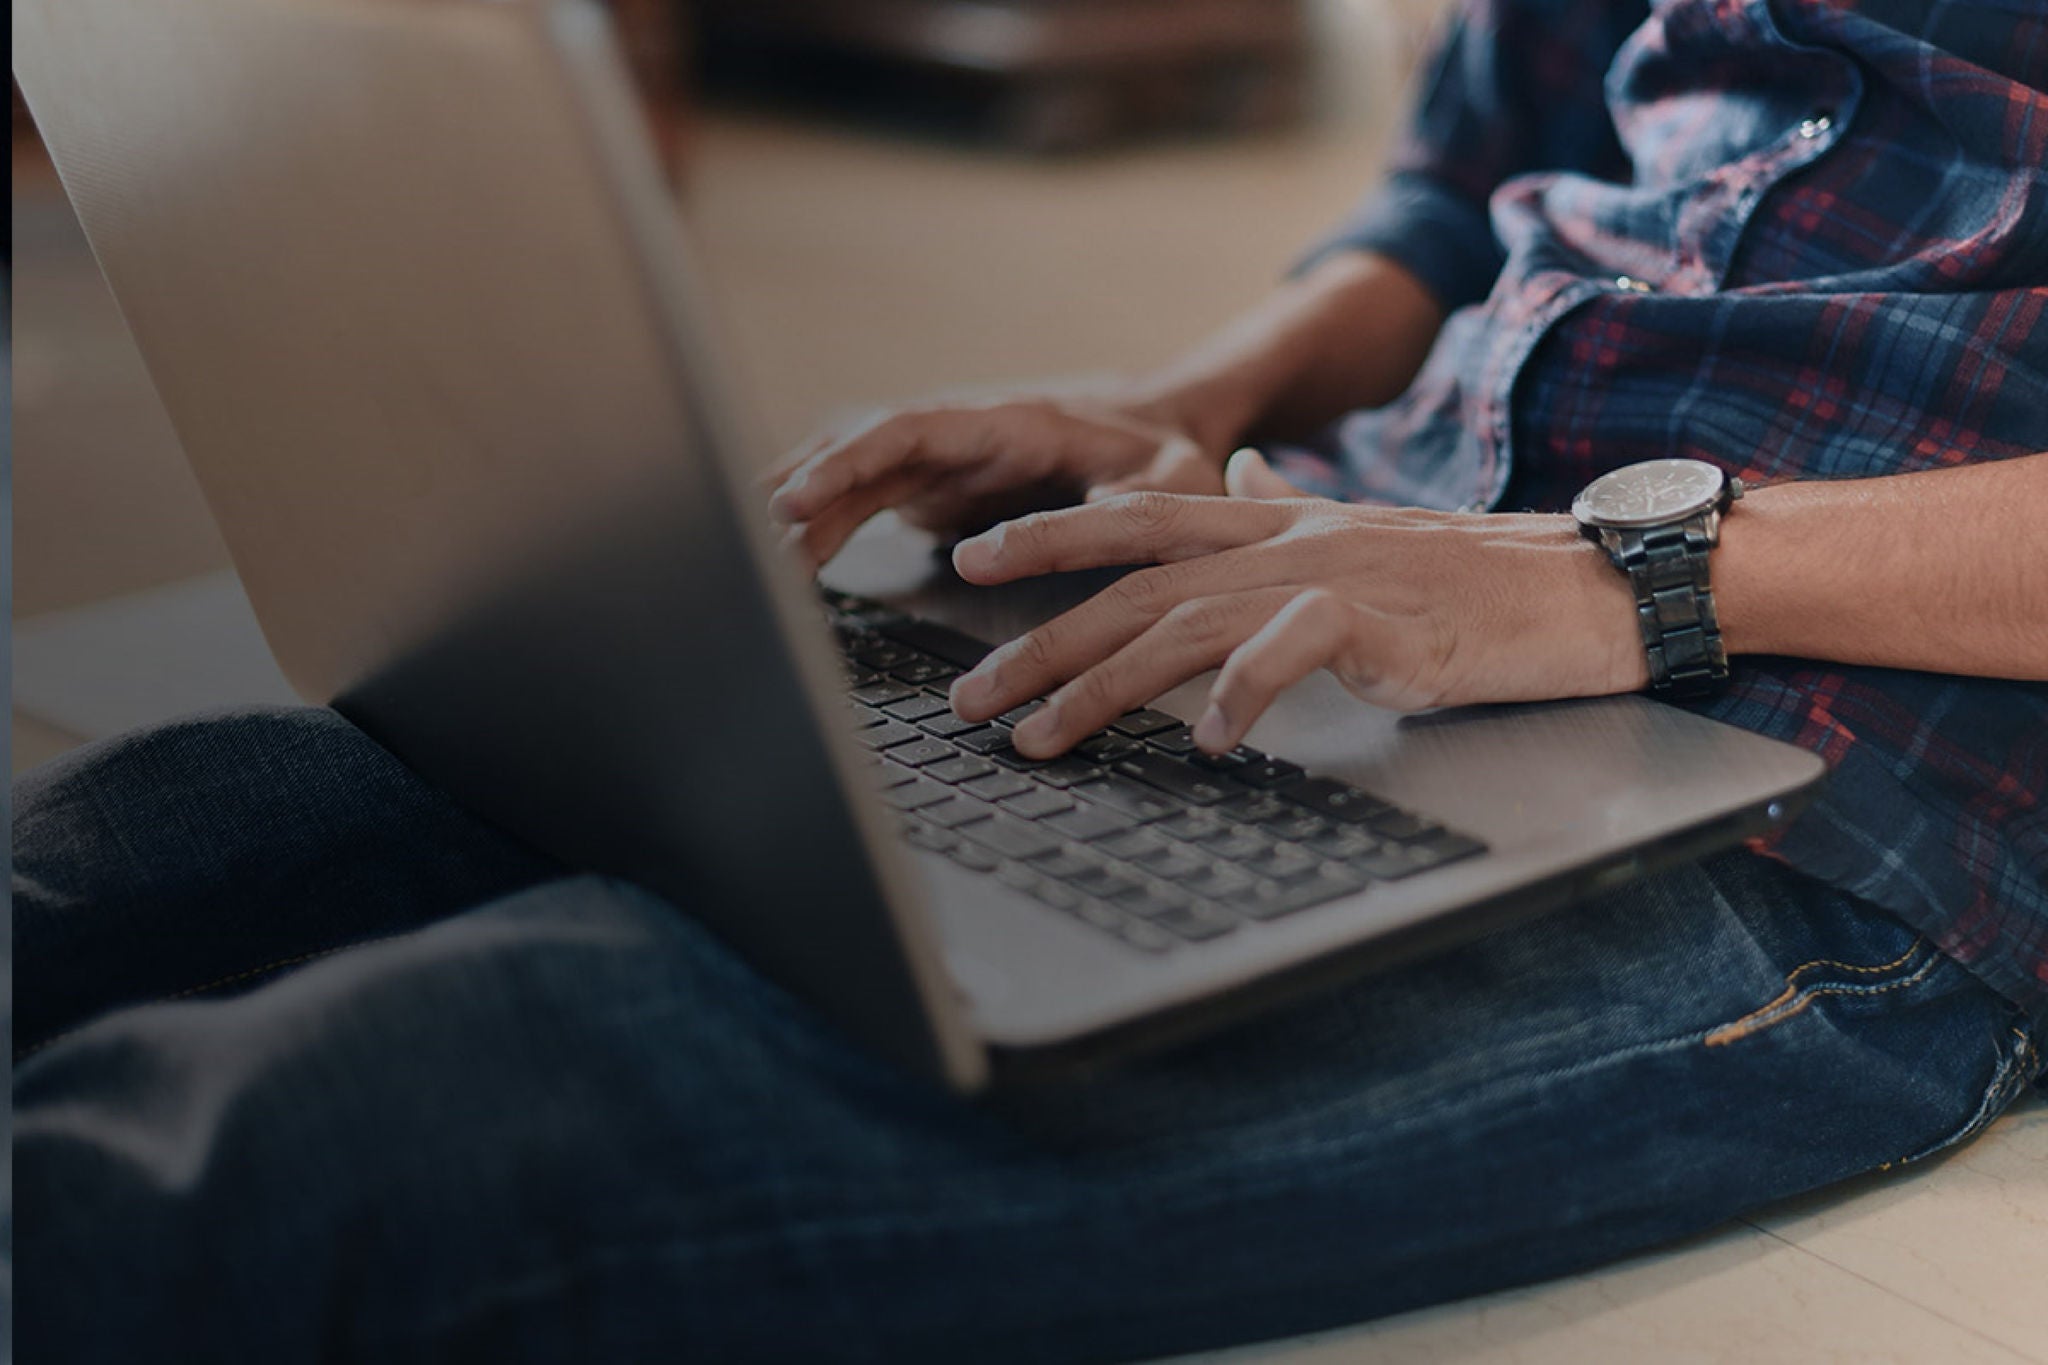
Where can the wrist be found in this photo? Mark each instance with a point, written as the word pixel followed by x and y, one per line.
pixel 1350 333
pixel 1610 633
pixel 1214 410
pixel 1760 540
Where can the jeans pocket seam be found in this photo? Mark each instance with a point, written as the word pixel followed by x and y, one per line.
pixel 1798 997
pixel 2006 1082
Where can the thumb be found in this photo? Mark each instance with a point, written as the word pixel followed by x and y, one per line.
pixel 1249 476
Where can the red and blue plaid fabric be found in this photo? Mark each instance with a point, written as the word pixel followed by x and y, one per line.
pixel 1800 239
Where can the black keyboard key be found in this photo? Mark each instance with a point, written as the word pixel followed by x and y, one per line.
pixel 1195 923
pixel 887 775
pixel 1138 801
pixel 987 740
pixel 1267 772
pixel 915 707
pixel 1284 863
pixel 953 813
pixel 1148 900
pixel 917 792
pixel 1270 900
pixel 1134 845
pixel 1403 826
pixel 1337 800
pixel 1231 763
pixel 1176 864
pixel 883 655
pixel 961 769
pixel 946 725
pixel 998 786
pixel 1017 876
pixel 1219 882
pixel 925 673
pixel 1067 863
pixel 1196 825
pixel 1173 777
pixel 1038 803
pixel 972 856
pixel 1087 823
pixel 887 735
pixel 1343 842
pixel 1056 894
pixel 1143 935
pixel 1138 724
pixel 956 648
pixel 1241 843
pixel 1066 771
pixel 920 835
pixel 1104 882
pixel 1254 808
pixel 921 752
pixel 1179 740
pixel 1010 758
pixel 1296 826
pixel 1016 714
pixel 1388 862
pixel 1107 748
pixel 1011 837
pixel 861 677
pixel 1446 847
pixel 882 693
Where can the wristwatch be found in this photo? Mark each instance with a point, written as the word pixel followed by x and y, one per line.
pixel 1657 521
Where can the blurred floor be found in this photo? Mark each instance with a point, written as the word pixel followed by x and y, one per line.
pixel 854 271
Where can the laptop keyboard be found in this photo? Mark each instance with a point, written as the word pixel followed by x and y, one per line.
pixel 1135 832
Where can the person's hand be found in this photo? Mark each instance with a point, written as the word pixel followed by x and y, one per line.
pixel 960 467
pixel 1409 609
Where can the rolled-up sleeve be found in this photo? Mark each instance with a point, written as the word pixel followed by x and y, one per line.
pixel 1514 86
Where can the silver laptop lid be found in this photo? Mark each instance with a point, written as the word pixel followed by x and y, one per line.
pixel 408 284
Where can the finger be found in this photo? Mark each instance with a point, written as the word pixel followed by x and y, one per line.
pixel 882 446
pixel 1069 644
pixel 1034 439
pixel 1137 528
pixel 1247 475
pixel 827 533
pixel 778 473
pixel 1301 637
pixel 1189 640
pixel 1180 467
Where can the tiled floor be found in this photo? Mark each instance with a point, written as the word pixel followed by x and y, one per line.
pixel 855 271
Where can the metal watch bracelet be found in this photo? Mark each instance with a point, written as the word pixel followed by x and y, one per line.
pixel 1667 567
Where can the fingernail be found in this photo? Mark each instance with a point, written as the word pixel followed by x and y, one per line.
pixel 1212 731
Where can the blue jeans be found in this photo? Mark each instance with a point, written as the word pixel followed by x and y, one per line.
pixel 315 1066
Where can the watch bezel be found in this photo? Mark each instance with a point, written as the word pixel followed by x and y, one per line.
pixel 1584 508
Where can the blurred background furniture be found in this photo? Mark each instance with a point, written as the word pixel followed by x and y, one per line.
pixel 1037 75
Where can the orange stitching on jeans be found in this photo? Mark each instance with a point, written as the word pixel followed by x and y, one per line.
pixel 1793 1001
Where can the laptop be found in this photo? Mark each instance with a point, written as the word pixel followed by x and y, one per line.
pixel 412 291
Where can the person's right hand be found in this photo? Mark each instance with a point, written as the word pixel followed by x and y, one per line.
pixel 960 467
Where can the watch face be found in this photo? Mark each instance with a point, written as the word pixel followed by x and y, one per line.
pixel 1653 493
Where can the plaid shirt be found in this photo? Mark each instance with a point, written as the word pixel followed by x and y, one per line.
pixel 1800 239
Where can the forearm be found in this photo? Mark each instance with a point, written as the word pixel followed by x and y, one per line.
pixel 1945 570
pixel 1350 333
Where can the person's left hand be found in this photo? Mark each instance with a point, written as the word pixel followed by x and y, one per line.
pixel 1409 609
